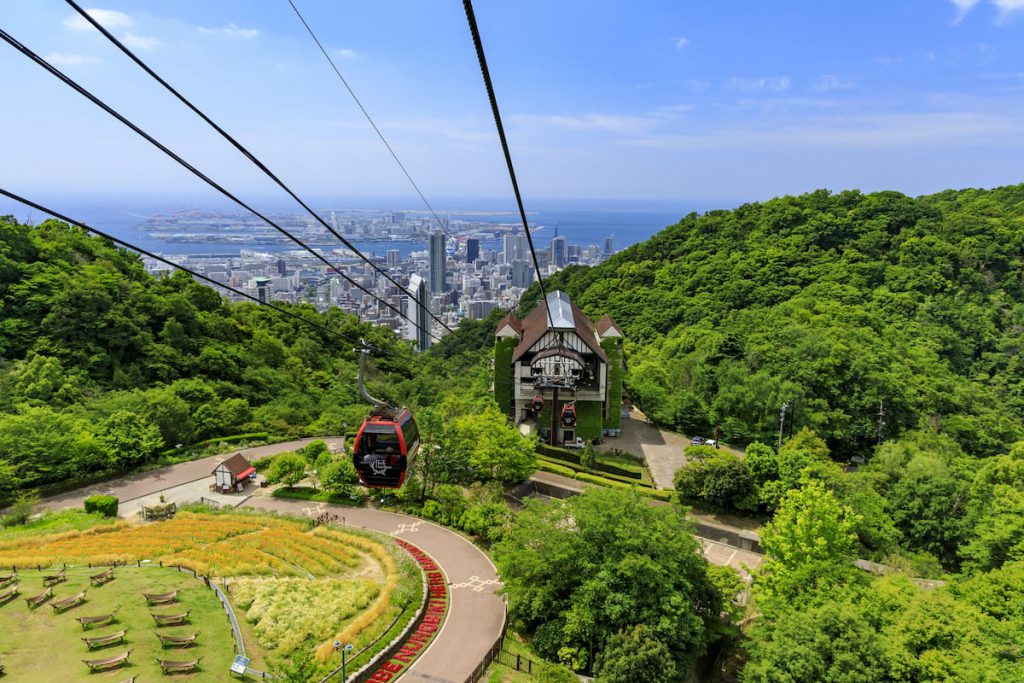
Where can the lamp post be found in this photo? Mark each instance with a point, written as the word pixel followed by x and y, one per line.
pixel 344 657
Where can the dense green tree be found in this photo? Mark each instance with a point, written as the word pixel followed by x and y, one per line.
pixel 809 547
pixel 832 642
pixel 635 654
pixel 131 438
pixel 578 571
pixel 288 469
pixel 722 480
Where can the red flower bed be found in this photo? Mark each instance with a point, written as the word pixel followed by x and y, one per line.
pixel 437 605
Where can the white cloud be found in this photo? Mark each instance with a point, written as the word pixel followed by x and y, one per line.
pixel 70 59
pixel 963 8
pixel 111 19
pixel 762 84
pixel 829 82
pixel 346 53
pixel 608 123
pixel 232 30
pixel 1007 7
pixel 681 42
pixel 139 42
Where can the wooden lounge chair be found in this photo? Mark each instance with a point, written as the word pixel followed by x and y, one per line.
pixel 67 603
pixel 178 641
pixel 1 668
pixel 36 600
pixel 102 577
pixel 103 641
pixel 161 598
pixel 108 663
pixel 169 666
pixel 8 578
pixel 171 619
pixel 9 594
pixel 86 622
pixel 54 579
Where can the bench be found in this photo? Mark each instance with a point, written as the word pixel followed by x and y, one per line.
pixel 103 641
pixel 172 666
pixel 8 578
pixel 36 600
pixel 9 594
pixel 161 598
pixel 177 641
pixel 171 619
pixel 67 603
pixel 102 577
pixel 108 663
pixel 86 622
pixel 54 579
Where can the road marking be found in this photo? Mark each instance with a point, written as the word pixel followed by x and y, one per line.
pixel 476 583
pixel 404 528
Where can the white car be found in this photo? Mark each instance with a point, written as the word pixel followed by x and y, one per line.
pixel 576 445
pixel 712 443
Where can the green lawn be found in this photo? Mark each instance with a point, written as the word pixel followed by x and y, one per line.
pixel 39 646
pixel 55 522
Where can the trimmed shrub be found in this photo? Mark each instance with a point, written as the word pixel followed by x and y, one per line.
pixel 105 505
pixel 554 468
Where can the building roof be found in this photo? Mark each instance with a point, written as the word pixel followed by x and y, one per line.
pixel 512 321
pixel 236 464
pixel 565 312
pixel 606 323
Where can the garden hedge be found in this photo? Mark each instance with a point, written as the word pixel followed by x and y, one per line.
pixel 105 505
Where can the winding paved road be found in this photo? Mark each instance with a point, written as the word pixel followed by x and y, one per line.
pixel 476 613
pixel 134 486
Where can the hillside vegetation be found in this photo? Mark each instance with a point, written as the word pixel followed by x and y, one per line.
pixel 835 303
pixel 104 367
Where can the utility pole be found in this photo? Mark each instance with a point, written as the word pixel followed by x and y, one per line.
pixel 782 422
pixel 881 420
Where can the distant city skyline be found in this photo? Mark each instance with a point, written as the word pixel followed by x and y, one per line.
pixel 723 102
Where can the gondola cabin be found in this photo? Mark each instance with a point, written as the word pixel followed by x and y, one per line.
pixel 569 414
pixel 384 447
pixel 537 404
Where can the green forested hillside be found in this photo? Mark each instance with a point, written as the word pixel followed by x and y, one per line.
pixel 835 303
pixel 102 366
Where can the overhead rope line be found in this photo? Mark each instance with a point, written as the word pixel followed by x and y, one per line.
pixel 482 58
pixel 177 266
pixel 192 169
pixel 245 152
pixel 369 118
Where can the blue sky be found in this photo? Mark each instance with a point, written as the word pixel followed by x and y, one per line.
pixel 696 100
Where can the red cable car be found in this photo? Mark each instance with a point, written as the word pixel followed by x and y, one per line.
pixel 537 404
pixel 386 442
pixel 569 414
pixel 385 446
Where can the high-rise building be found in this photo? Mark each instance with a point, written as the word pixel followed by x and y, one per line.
pixel 508 254
pixel 418 328
pixel 393 258
pixel 397 217
pixel 609 247
pixel 282 267
pixel 522 246
pixel 262 286
pixel 558 252
pixel 438 262
pixel 522 274
pixel 472 249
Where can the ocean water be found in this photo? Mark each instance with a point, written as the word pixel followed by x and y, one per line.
pixel 580 222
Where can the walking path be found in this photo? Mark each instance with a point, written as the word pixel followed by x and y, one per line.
pixel 476 613
pixel 130 488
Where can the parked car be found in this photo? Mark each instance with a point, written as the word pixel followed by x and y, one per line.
pixel 576 445
pixel 697 441
pixel 711 442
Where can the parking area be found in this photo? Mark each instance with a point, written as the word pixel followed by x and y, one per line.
pixel 661 449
